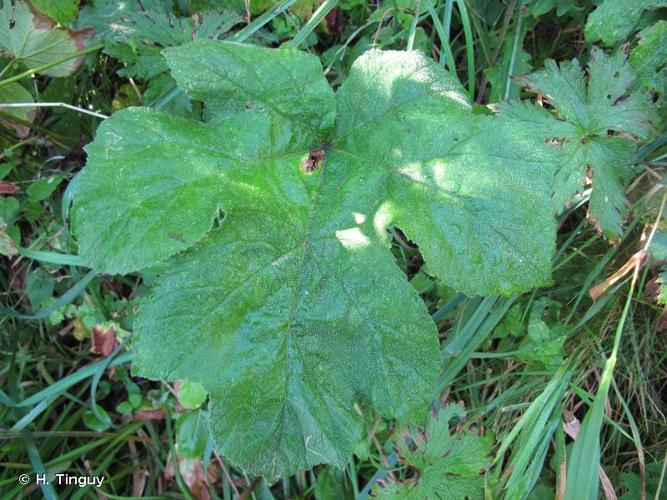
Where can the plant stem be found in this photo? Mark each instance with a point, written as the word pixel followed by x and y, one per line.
pixel 51 64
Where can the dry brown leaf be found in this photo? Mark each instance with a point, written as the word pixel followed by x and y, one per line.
pixel 8 187
pixel 637 259
pixel 103 342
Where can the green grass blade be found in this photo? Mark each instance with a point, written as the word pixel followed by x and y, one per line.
pixel 413 27
pixel 326 7
pixel 470 48
pixel 61 301
pixel 261 21
pixel 582 470
pixel 52 257
pixel 445 47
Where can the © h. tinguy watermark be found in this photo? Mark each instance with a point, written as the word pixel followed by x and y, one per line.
pixel 63 479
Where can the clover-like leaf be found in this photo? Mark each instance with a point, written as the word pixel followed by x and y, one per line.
pixel 449 465
pixel 592 132
pixel 292 309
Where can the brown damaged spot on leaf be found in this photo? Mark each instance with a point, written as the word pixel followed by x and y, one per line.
pixel 315 159
pixel 555 141
pixel 103 342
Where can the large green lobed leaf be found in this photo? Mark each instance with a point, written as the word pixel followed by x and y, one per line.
pixel 292 312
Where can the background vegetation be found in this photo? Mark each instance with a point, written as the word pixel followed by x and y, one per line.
pixel 520 372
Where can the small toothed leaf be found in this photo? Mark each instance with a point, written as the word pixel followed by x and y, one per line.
pixel 592 132
pixel 449 464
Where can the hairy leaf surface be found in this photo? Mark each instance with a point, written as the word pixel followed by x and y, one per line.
pixel 614 20
pixel 592 132
pixel 649 60
pixel 292 309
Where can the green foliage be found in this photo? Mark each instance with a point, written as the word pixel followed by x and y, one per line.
pixel 632 483
pixel 61 11
pixel 648 60
pixel 31 43
pixel 291 286
pixel 13 93
pixel 136 32
pixel 614 20
pixel 299 263
pixel 191 394
pixel 658 251
pixel 449 465
pixel 541 340
pixel 592 132
pixel 191 434
pixel 499 75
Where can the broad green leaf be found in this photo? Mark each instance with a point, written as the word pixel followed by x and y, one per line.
pixel 292 310
pixel 649 57
pixel 461 186
pixel 289 91
pixel 16 93
pixel 449 465
pixel 614 20
pixel 632 483
pixel 61 11
pixel 170 186
pixel 25 38
pixel 591 134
